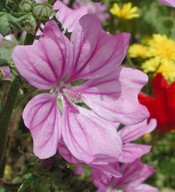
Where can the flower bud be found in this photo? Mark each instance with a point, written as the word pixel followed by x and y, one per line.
pixel 25 5
pixel 43 11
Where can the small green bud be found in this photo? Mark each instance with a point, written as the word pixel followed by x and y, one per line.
pixel 25 5
pixel 42 11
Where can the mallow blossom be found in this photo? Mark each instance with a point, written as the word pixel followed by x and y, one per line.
pixel 170 3
pixel 130 151
pixel 133 176
pixel 82 71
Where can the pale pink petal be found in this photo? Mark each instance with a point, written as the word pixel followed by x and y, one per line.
pixel 115 96
pixel 42 117
pixel 131 152
pixel 96 53
pixel 44 63
pixel 170 3
pixel 133 132
pixel 68 17
pixel 88 137
pixel 134 174
pixel 142 188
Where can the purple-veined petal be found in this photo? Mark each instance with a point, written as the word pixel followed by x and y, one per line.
pixel 42 117
pixel 95 52
pixel 170 3
pixel 45 62
pixel 142 188
pixel 134 174
pixel 100 180
pixel 68 17
pixel 133 132
pixel 131 152
pixel 115 96
pixel 88 137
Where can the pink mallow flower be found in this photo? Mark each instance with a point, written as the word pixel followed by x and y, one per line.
pixel 133 176
pixel 92 57
pixel 170 3
pixel 130 151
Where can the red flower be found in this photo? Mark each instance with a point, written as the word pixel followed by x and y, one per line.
pixel 162 105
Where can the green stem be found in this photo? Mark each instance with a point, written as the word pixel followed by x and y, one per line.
pixel 5 118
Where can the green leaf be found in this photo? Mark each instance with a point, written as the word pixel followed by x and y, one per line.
pixel 5 25
pixel 2 4
pixel 29 179
pixel 17 21
pixel 5 56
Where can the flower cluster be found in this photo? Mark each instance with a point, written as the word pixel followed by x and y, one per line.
pixel 86 96
pixel 157 54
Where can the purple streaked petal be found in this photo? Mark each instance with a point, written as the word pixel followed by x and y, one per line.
pixel 170 3
pixel 68 17
pixel 42 117
pixel 133 132
pixel 134 174
pixel 88 137
pixel 131 152
pixel 100 180
pixel 44 63
pixel 142 188
pixel 115 96
pixel 96 53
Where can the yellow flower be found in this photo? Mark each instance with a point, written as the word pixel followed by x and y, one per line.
pixel 137 50
pixel 168 71
pixel 162 48
pixel 150 65
pixel 124 12
pixel 154 65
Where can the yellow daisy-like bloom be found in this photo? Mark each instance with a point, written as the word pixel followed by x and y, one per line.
pixel 150 65
pixel 125 12
pixel 168 71
pixel 154 65
pixel 137 51
pixel 160 56
pixel 162 48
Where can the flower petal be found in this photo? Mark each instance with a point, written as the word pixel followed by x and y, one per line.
pixel 115 96
pixel 42 117
pixel 88 137
pixel 68 17
pixel 44 63
pixel 134 173
pixel 142 188
pixel 170 3
pixel 131 152
pixel 96 53
pixel 133 132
